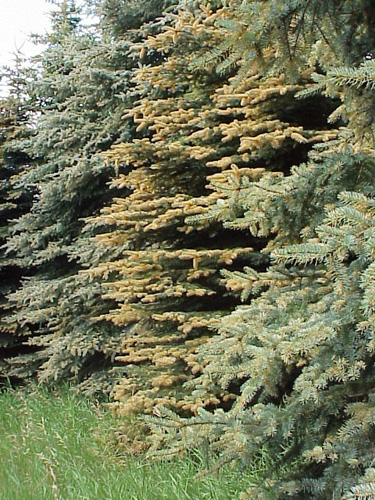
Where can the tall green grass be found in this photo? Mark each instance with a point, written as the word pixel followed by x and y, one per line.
pixel 57 446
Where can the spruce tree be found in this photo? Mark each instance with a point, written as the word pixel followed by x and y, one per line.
pixel 200 132
pixel 300 349
pixel 83 90
pixel 15 117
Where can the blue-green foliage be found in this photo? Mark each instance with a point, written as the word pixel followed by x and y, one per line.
pixel 78 98
pixel 300 350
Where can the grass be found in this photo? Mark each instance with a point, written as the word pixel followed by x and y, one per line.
pixel 57 446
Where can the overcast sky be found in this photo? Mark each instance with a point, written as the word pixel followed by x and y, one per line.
pixel 19 18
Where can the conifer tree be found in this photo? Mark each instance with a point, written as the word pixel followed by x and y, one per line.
pixel 83 90
pixel 198 136
pixel 15 115
pixel 301 348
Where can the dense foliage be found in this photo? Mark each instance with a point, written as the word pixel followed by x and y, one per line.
pixel 80 93
pixel 183 158
pixel 302 349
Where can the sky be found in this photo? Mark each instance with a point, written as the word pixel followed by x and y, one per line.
pixel 19 18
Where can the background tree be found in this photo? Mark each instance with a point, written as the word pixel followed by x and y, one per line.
pixel 15 115
pixel 82 92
